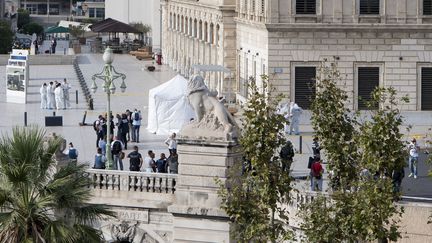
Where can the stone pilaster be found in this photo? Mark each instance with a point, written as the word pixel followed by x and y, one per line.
pixel 196 212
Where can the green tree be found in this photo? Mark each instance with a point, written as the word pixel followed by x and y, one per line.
pixel 23 18
pixel 6 37
pixel 31 28
pixel 38 203
pixel 257 188
pixel 76 31
pixel 362 154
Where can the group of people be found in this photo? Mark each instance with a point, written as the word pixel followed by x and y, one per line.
pixel 292 115
pixel 55 95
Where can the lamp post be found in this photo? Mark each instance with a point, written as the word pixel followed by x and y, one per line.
pixel 108 75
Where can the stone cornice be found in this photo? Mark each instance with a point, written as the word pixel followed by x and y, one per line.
pixel 198 4
pixel 347 27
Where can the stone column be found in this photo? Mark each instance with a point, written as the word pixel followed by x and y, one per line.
pixel 196 211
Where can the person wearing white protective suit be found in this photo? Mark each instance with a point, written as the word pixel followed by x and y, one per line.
pixel 295 113
pixel 58 92
pixel 66 87
pixel 43 93
pixel 50 95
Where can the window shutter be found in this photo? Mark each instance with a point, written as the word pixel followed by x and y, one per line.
pixel 368 80
pixel 426 88
pixel 306 7
pixel 369 6
pixel 427 7
pixel 305 86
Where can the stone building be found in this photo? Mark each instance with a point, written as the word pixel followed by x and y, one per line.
pixel 376 42
pixel 199 32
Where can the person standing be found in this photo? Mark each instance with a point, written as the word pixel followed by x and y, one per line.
pixel 53 45
pixel 131 131
pixel 100 159
pixel 295 112
pixel 172 143
pixel 135 160
pixel 73 153
pixel 413 157
pixel 161 164
pixel 50 95
pixel 136 124
pixel 117 152
pixel 124 129
pixel 149 162
pixel 172 163
pixel 316 148
pixel 317 175
pixel 59 96
pixel 287 154
pixel 43 93
pixel 102 145
pixel 66 87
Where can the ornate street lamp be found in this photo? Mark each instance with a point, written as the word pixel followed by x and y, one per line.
pixel 108 75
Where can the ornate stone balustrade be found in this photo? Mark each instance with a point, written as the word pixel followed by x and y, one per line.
pixel 116 180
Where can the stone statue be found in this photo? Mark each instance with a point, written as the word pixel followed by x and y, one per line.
pixel 123 232
pixel 211 114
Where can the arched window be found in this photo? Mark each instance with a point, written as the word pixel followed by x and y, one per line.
pixel 200 30
pixel 195 27
pixel 211 34
pixel 174 22
pixel 186 30
pixel 217 35
pixel 205 32
pixel 190 27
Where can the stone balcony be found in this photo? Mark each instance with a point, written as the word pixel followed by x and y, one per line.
pixel 132 189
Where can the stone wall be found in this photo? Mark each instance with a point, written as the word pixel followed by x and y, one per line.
pixel 44 59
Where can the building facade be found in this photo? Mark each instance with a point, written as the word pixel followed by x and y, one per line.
pixel 375 42
pixel 146 12
pixel 199 33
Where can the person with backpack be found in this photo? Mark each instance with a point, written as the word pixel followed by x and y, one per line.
pixel 317 175
pixel 117 152
pixel 136 124
pixel 97 127
pixel 135 159
pixel 287 154
pixel 73 153
pixel 100 159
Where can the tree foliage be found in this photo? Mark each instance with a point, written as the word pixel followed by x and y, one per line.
pixel 39 204
pixel 31 28
pixel 6 37
pixel 23 18
pixel 362 154
pixel 143 28
pixel 259 187
pixel 76 31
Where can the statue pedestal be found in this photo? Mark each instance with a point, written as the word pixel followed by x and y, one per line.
pixel 196 212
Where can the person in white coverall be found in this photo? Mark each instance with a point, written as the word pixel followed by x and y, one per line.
pixel 50 95
pixel 43 93
pixel 66 87
pixel 59 96
pixel 295 112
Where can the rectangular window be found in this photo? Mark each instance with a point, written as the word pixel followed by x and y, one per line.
pixel 427 7
pixel 369 6
pixel 368 79
pixel 426 88
pixel 306 7
pixel 100 13
pixel 304 86
pixel 91 12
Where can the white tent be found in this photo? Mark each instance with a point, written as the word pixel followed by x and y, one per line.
pixel 169 107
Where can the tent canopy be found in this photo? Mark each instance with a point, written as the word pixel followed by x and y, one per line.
pixel 110 25
pixel 57 29
pixel 169 107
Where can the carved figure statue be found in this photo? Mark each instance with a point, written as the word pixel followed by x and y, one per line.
pixel 123 232
pixel 205 104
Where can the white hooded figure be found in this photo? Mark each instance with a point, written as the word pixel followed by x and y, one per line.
pixel 50 96
pixel 59 96
pixel 43 94
pixel 284 109
pixel 295 112
pixel 66 87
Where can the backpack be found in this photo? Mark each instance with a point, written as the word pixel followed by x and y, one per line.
pixel 311 161
pixel 72 153
pixel 116 147
pixel 287 152
pixel 136 116
pixel 95 125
